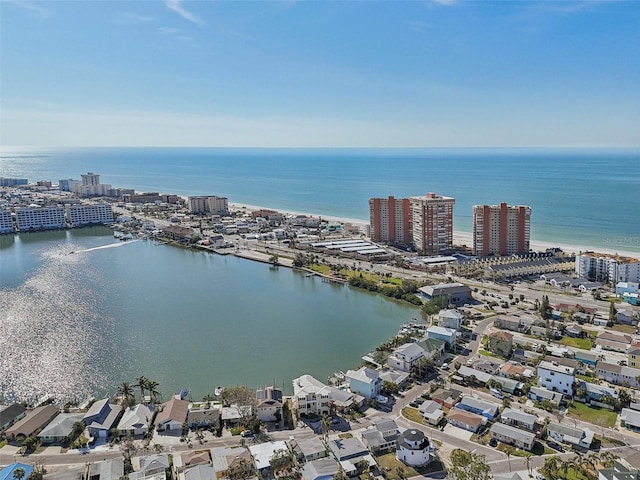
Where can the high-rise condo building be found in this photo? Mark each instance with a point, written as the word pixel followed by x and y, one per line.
pixel 211 204
pixel 432 223
pixel 501 229
pixel 604 267
pixel 90 179
pixel 390 220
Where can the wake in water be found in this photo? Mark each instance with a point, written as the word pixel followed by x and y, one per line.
pixel 111 245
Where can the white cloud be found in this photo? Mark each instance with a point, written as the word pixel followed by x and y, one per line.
pixel 168 30
pixel 130 18
pixel 176 6
pixel 446 3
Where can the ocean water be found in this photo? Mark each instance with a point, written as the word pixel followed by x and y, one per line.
pixel 81 323
pixel 584 197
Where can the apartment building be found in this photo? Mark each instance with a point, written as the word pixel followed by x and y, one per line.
pixel 556 377
pixel 390 220
pixel 501 229
pixel 208 204
pixel 40 218
pixel 6 222
pixel 605 267
pixel 432 223
pixel 88 214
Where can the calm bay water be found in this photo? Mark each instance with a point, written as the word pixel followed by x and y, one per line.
pixel 583 197
pixel 81 323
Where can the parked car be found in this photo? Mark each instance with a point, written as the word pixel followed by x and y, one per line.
pixel 555 446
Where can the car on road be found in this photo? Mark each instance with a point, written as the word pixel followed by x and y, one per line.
pixel 493 442
pixel 555 446
pixel 445 366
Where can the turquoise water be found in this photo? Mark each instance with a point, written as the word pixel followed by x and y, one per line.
pixel 584 197
pixel 81 323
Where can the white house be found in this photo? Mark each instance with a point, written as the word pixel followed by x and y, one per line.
pixel 556 377
pixel 269 404
pixel 442 333
pixel 431 412
pixel 136 420
pixel 413 448
pixel 405 356
pixel 512 436
pixel 314 397
pixel 580 438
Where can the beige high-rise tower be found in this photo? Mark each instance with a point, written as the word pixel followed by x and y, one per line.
pixel 432 217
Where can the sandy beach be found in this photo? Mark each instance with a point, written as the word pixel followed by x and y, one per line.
pixel 459 237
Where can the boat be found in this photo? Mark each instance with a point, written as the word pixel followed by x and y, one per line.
pixel 218 391
pixel 184 393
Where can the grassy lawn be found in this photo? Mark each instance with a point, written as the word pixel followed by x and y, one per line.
pixel 323 269
pixel 390 464
pixel 412 414
pixel 598 416
pixel 623 328
pixel 587 378
pixel 487 353
pixel 583 343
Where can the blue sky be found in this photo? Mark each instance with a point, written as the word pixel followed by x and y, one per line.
pixel 320 73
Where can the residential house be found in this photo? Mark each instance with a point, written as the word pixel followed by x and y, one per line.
pixel 178 233
pixel 540 394
pixel 60 429
pixel 350 451
pixel 172 415
pixel 473 376
pixel 507 384
pixel 465 420
pixel 11 415
pixel 556 377
pixel 628 291
pixel 579 438
pixel 450 319
pixel 487 365
pixel 619 472
pixel 405 356
pixel 633 357
pixel 617 374
pixel 413 448
pixel 454 293
pixel 200 472
pixel 509 322
pixel 431 412
pixel 513 436
pixel 308 449
pixel 320 469
pixel 136 420
pixel 628 317
pixel 314 397
pixel 519 419
pixel 203 414
pixel 262 454
pixel 107 469
pixel 630 419
pixel 381 437
pixel 500 343
pixel 527 357
pixel 593 393
pixel 231 459
pixel 446 397
pixel 586 357
pixel 152 466
pixel 191 458
pixel 269 404
pixel 442 333
pixel 611 341
pixel 364 381
pixel 471 404
pixel 395 377
pixel 101 418
pixel 516 372
pixel 574 330
pixel 433 347
pixel 31 422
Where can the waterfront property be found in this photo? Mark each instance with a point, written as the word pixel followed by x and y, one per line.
pixel 405 356
pixel 314 397
pixel 33 421
pixel 172 415
pixel 136 420
pixel 60 429
pixel 11 415
pixel 364 381
pixel 101 417
pixel 269 404
pixel 450 319
pixel 447 335
pixel 453 293
pixel 606 267
pixel 432 223
pixel 390 221
pixel 501 229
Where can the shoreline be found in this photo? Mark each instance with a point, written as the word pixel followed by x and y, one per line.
pixel 459 237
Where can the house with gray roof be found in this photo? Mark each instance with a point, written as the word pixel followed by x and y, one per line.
pixel 200 472
pixel 617 374
pixel 467 372
pixel 101 417
pixel 442 333
pixel 431 412
pixel 136 420
pixel 455 293
pixel 34 420
pixel 10 415
pixel 350 451
pixel 60 428
pixel 518 418
pixel 382 437
pixel 539 394
pixel 321 469
pixel 108 469
pixel 512 436
pixel 450 319
pixel 152 466
pixel 619 472
pixel 630 419
pixel 507 384
pixel 395 377
pixel 471 404
pixel 224 458
pixel 579 438
pixel 405 356
pixel 308 449
pixel 433 347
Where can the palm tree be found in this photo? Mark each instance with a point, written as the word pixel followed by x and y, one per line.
pixel 141 382
pixel 126 392
pixel 324 426
pixel 152 387
pixel 527 460
pixel 509 451
pixel 19 473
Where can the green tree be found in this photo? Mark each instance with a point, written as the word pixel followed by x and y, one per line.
pixel 141 383
pixel 19 473
pixel 274 260
pixel 126 392
pixel 612 313
pixel 469 466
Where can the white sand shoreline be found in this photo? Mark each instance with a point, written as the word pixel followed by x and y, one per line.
pixel 459 237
